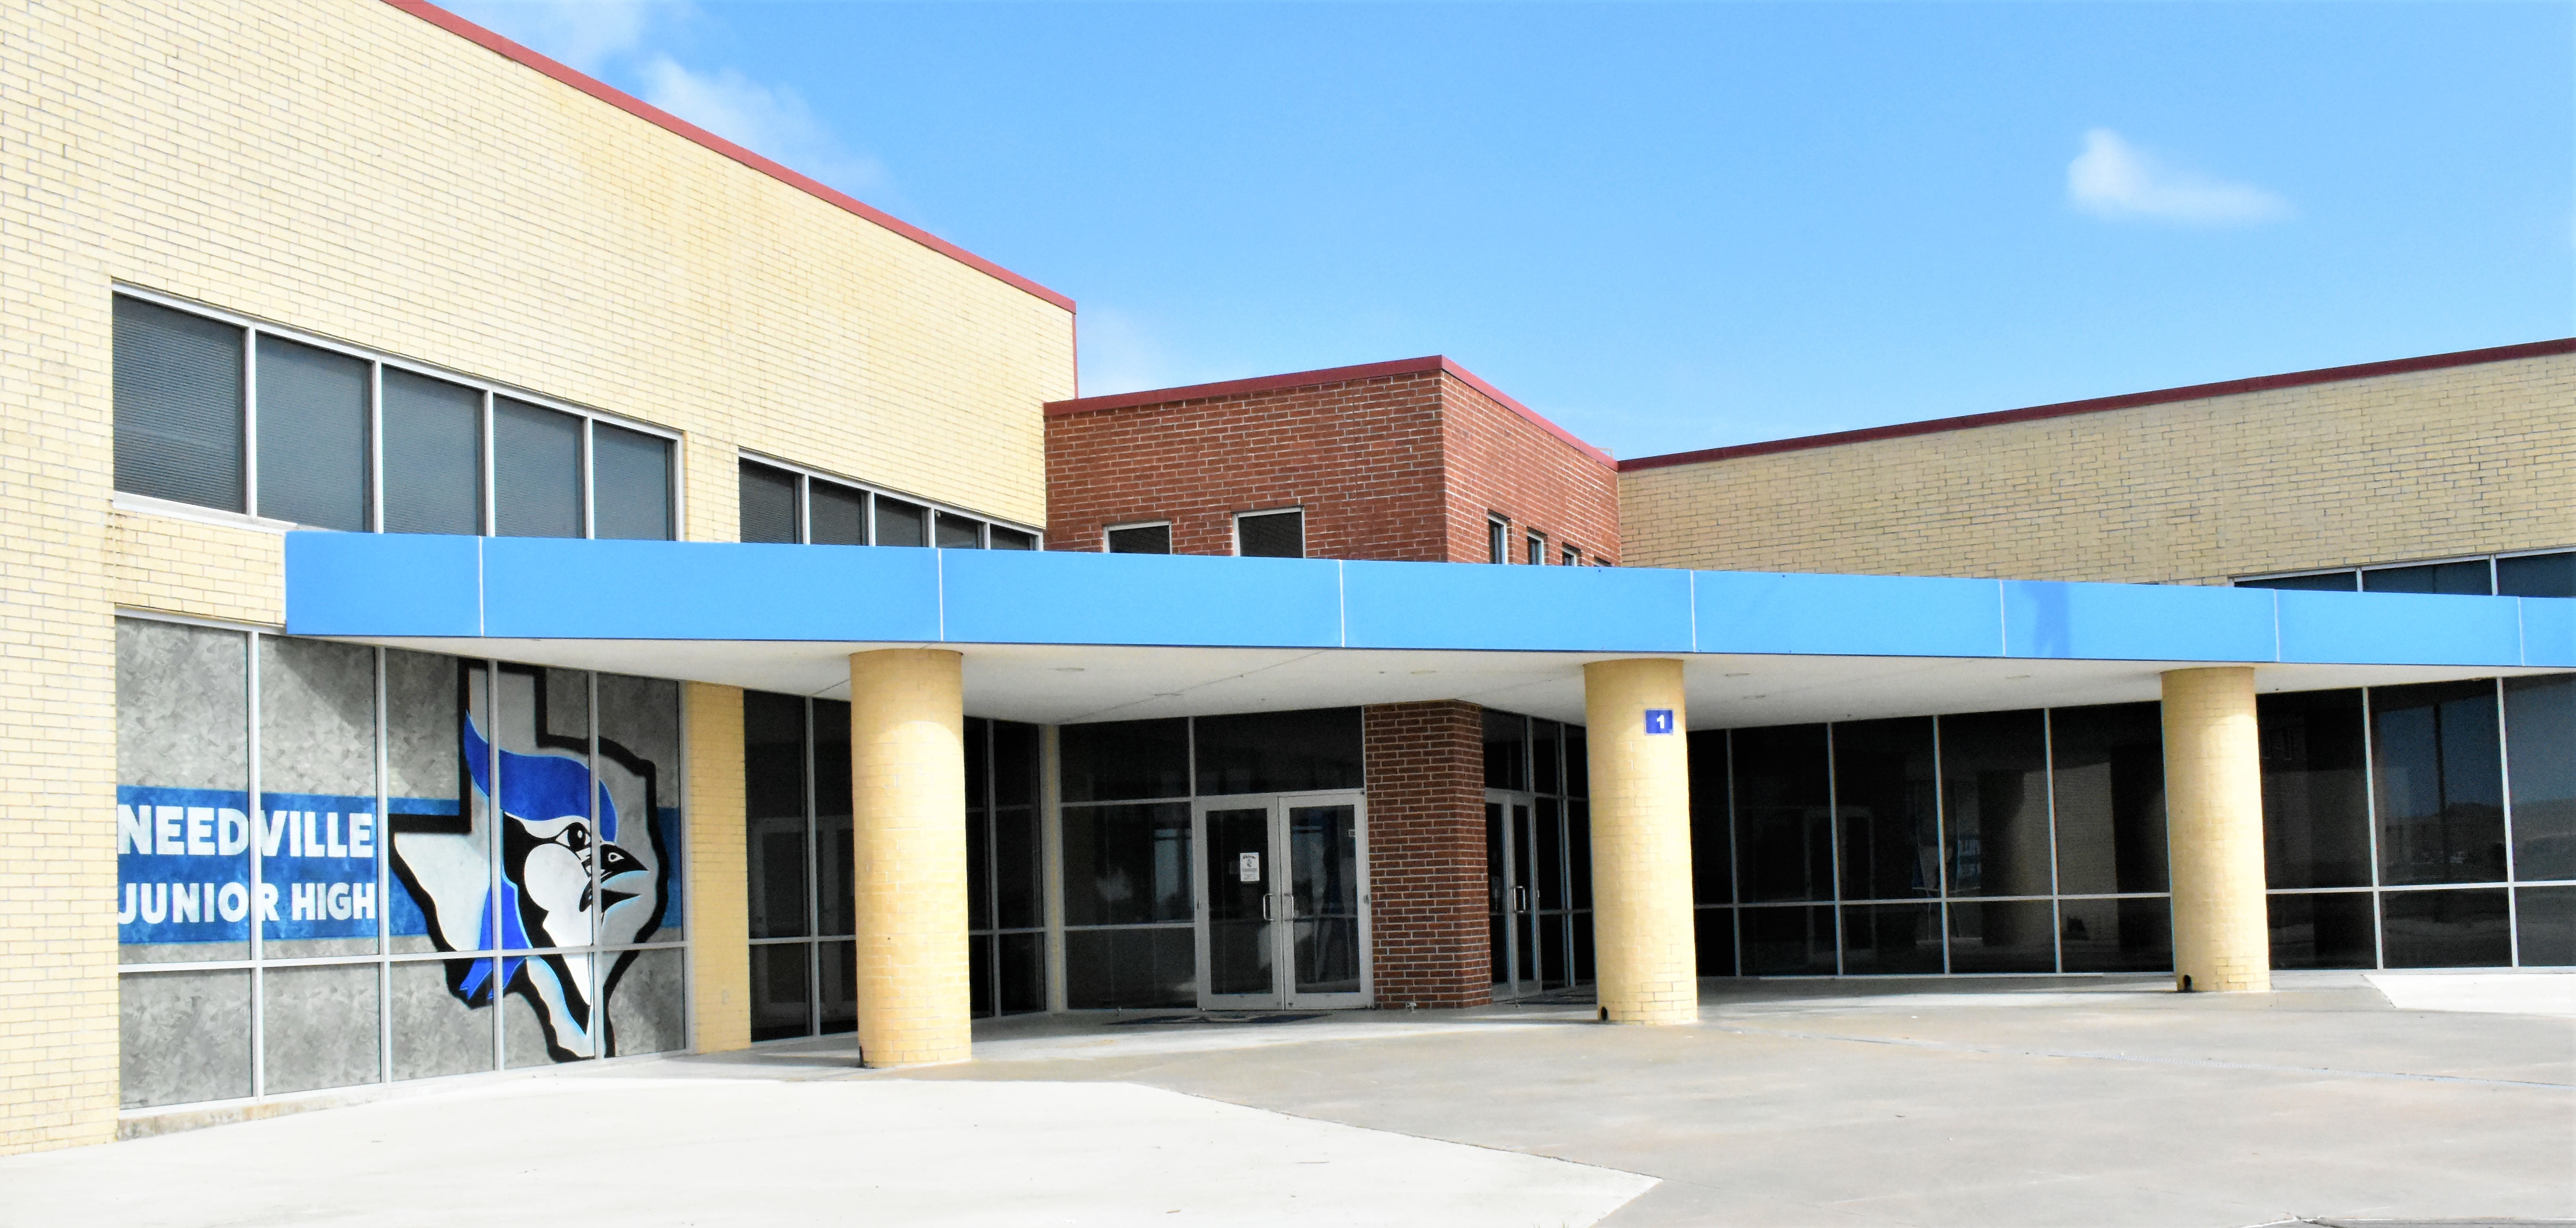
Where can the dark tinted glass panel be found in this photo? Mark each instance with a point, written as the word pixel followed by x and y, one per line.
pixel 1578 764
pixel 979 871
pixel 1126 865
pixel 2445 929
pixel 834 906
pixel 1020 979
pixel 1578 852
pixel 2316 809
pixel 433 455
pixel 1788 941
pixel 1018 865
pixel 2540 746
pixel 1275 535
pixel 1885 801
pixel 840 986
pixel 630 492
pixel 1015 764
pixel 312 436
pixel 773 763
pixel 2547 923
pixel 1716 939
pixel 2116 935
pixel 2110 781
pixel 979 975
pixel 2537 575
pixel 1506 750
pixel 536 471
pixel 979 745
pixel 835 515
pixel 1011 539
pixel 2441 783
pixel 1547 764
pixel 2330 582
pixel 2465 579
pixel 959 533
pixel 1712 874
pixel 768 504
pixel 1994 778
pixel 1884 939
pixel 901 524
pixel 1130 969
pixel 1117 760
pixel 1537 553
pixel 1144 539
pixel 1784 843
pixel 2322 931
pixel 1496 533
pixel 781 1006
pixel 178 406
pixel 2002 936
pixel 1279 752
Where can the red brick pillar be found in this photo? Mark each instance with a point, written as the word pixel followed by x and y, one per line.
pixel 1426 814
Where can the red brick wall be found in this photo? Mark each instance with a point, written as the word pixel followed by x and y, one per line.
pixel 1500 461
pixel 1362 457
pixel 1427 886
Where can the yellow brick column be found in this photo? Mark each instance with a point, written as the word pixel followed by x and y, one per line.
pixel 719 917
pixel 1644 948
pixel 908 784
pixel 2214 825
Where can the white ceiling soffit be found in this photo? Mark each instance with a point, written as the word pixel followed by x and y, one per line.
pixel 1057 684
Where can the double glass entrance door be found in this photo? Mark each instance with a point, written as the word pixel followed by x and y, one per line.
pixel 1283 913
pixel 1538 871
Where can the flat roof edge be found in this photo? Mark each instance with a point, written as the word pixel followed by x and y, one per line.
pixel 1326 375
pixel 2130 400
pixel 660 118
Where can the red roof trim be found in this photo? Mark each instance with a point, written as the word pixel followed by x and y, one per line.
pixel 1328 375
pixel 2132 400
pixel 651 114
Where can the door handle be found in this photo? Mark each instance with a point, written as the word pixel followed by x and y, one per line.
pixel 1520 899
pixel 1266 897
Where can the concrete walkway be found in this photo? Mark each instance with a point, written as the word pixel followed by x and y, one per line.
pixel 2099 1101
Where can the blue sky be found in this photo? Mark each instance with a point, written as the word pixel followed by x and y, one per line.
pixel 1680 226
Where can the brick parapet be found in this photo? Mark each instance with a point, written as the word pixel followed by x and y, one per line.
pixel 1428 890
pixel 1501 462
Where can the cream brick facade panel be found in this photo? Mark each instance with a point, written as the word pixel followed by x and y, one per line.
pixel 2459 460
pixel 352 170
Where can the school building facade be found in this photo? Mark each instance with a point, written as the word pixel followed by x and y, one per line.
pixel 500 576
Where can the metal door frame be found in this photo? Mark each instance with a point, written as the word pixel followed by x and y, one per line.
pixel 1283 970
pixel 1520 910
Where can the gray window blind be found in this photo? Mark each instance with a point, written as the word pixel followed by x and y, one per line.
pixel 433 455
pixel 1012 539
pixel 768 504
pixel 1272 535
pixel 178 389
pixel 1145 539
pixel 901 524
pixel 836 515
pixel 312 436
pixel 536 471
pixel 959 533
pixel 630 484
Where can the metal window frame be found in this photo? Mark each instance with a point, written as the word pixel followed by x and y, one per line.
pixel 807 475
pixel 253 328
pixel 1498 538
pixel 1107 529
pixel 257 962
pixel 1236 525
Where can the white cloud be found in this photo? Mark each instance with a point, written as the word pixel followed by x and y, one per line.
pixel 2114 179
pixel 772 120
pixel 586 34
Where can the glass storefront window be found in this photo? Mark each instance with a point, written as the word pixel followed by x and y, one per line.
pixel 2316 795
pixel 2440 778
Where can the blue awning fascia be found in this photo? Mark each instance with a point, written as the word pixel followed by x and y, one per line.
pixel 368 585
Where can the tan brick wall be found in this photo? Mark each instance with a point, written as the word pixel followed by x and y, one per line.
pixel 2461 460
pixel 908 842
pixel 2214 830
pixel 344 168
pixel 1645 942
pixel 719 912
